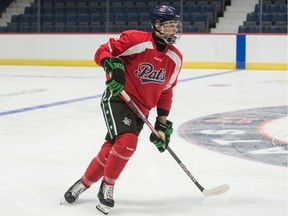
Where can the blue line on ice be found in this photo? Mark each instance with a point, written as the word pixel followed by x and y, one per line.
pixel 26 109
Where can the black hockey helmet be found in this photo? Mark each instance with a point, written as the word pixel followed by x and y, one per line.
pixel 170 25
pixel 163 13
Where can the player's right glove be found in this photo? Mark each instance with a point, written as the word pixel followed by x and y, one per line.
pixel 114 67
pixel 165 131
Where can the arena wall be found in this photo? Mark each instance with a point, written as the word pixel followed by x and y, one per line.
pixel 203 51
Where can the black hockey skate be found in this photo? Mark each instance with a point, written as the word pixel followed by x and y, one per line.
pixel 105 196
pixel 72 194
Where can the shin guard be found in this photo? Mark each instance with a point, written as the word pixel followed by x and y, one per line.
pixel 123 148
pixel 95 170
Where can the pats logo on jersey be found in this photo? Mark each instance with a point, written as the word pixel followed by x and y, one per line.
pixel 147 74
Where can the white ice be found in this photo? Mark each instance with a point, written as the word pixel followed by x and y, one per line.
pixel 46 147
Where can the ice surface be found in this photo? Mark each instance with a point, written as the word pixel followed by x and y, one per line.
pixel 51 126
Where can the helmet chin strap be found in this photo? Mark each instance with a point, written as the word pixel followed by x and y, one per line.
pixel 159 42
pixel 163 41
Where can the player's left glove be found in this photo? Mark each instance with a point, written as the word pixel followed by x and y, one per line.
pixel 114 67
pixel 165 131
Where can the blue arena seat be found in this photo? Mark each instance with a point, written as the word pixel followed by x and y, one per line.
pixel 118 9
pixel 188 17
pixel 122 17
pixel 145 17
pixel 202 22
pixel 48 10
pixel 4 29
pixel 210 10
pixel 48 20
pixel 134 18
pixel 98 29
pixel 97 10
pixel 84 19
pixel 135 9
pixel 275 29
pixel 146 9
pixel 60 10
pixel 61 29
pixel 281 19
pixel 26 19
pixel 267 18
pixel 73 28
pixel 220 5
pixel 251 19
pixel 191 29
pixel 284 29
pixel 85 28
pixel 15 19
pixel 71 20
pixel 30 10
pixel 195 9
pixel 262 29
pixel 246 29
pixel 97 18
pixel 72 10
pixel 83 10
pixel 60 20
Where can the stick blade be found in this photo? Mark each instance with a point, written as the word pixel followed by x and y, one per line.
pixel 216 191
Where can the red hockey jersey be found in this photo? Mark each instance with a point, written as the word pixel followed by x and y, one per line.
pixel 150 74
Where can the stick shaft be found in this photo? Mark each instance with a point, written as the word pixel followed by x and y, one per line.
pixel 146 121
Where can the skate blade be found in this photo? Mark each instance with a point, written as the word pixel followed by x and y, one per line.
pixel 103 208
pixel 63 202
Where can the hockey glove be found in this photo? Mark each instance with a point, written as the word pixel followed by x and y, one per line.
pixel 165 130
pixel 115 69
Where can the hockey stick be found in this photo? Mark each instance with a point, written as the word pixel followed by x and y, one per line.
pixel 207 192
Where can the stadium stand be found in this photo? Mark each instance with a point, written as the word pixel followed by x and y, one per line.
pixel 94 15
pixel 268 17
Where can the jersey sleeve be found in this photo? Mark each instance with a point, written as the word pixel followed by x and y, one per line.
pixel 165 101
pixel 115 46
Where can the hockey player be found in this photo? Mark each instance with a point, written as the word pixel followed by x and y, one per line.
pixel 146 65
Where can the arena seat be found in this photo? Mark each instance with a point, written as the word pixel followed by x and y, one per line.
pixel 274 13
pixel 126 13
